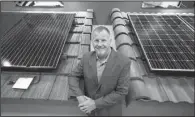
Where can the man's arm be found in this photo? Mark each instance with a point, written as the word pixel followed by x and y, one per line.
pixel 74 79
pixel 118 94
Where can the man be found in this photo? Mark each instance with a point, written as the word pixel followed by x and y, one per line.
pixel 106 77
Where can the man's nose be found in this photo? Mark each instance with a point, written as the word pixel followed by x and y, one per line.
pixel 99 43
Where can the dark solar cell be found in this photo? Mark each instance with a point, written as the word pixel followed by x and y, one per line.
pixel 161 49
pixel 36 41
pixel 153 56
pixel 167 41
pixel 146 42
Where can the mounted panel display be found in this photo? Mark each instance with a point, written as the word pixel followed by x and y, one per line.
pixel 167 42
pixel 36 41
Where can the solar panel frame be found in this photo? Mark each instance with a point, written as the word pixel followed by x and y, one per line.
pixel 188 19
pixel 42 20
pixel 138 33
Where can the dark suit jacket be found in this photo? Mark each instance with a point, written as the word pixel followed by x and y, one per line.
pixel 113 86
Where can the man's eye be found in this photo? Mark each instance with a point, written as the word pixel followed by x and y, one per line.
pixel 96 41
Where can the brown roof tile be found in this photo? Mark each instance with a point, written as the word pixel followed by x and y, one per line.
pixel 64 66
pixel 174 89
pixel 124 15
pixel 60 89
pixel 115 9
pixel 40 90
pixel 123 39
pixel 86 39
pixel 74 38
pixel 4 78
pixel 155 89
pixel 138 90
pixel 117 22
pixel 142 69
pixel 71 50
pixel 79 21
pixel 88 22
pixel 116 15
pixel 81 15
pixel 120 29
pixel 89 15
pixel 87 29
pixel 136 49
pixel 135 70
pixel 127 51
pixel 83 49
pixel 76 29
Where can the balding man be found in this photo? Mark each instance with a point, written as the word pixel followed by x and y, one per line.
pixel 106 77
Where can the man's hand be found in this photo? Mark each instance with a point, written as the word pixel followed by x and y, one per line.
pixel 88 105
pixel 81 99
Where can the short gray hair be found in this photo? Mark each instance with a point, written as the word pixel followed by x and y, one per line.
pixel 101 28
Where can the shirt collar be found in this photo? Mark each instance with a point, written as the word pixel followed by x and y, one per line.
pixel 106 57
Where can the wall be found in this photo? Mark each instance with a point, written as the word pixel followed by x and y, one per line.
pixel 101 9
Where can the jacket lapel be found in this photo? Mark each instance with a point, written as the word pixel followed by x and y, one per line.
pixel 108 68
pixel 93 67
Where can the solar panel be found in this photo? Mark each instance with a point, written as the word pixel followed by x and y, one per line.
pixel 189 19
pixel 167 42
pixel 36 41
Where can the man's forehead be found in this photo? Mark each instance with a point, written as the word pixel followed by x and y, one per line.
pixel 102 33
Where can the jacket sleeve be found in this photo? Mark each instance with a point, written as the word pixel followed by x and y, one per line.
pixel 74 79
pixel 119 93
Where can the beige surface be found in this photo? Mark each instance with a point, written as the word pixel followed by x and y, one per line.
pixel 112 36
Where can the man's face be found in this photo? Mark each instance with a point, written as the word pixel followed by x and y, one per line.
pixel 101 43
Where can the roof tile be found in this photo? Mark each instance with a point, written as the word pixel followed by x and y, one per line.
pixel 116 15
pixel 4 78
pixel 80 15
pixel 89 15
pixel 127 51
pixel 135 70
pixel 60 89
pixel 155 90
pixel 71 50
pixel 120 29
pixel 83 49
pixel 76 29
pixel 87 29
pixel 138 90
pixel 64 66
pixel 79 21
pixel 40 90
pixel 142 69
pixel 118 21
pixel 123 39
pixel 88 22
pixel 86 39
pixel 73 38
pixel 124 15
pixel 137 51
